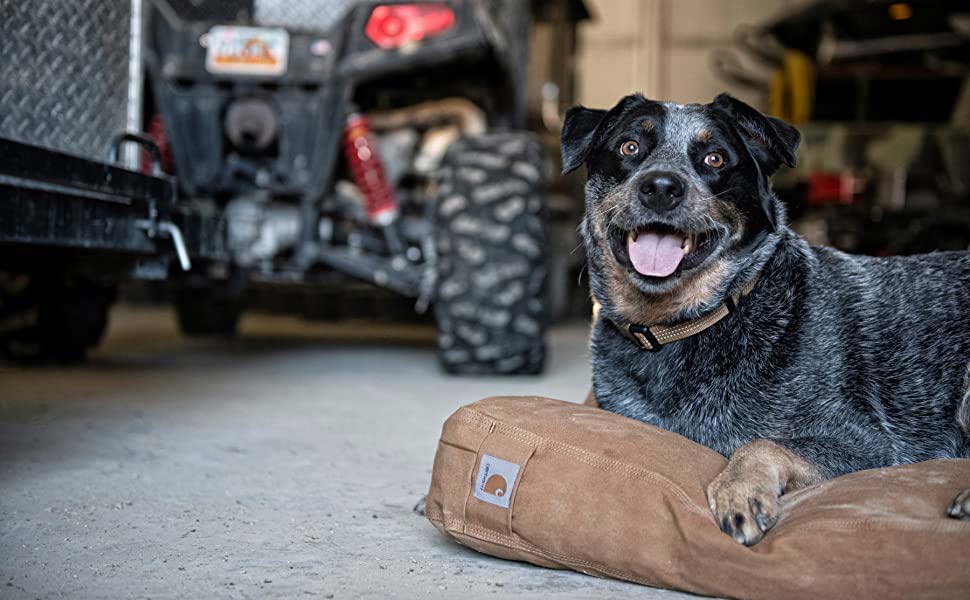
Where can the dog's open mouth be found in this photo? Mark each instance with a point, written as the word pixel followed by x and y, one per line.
pixel 659 251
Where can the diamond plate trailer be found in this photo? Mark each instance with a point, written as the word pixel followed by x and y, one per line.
pixel 74 221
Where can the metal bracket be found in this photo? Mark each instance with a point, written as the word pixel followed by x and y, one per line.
pixel 142 140
pixel 168 229
pixel 152 226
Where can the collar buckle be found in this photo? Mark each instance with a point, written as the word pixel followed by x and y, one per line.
pixel 642 336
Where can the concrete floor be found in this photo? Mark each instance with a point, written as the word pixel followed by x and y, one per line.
pixel 284 464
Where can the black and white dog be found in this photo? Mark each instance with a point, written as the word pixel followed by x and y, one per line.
pixel 718 322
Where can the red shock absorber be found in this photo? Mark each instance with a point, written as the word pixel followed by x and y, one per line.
pixel 360 148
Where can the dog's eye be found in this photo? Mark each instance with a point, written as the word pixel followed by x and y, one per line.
pixel 629 148
pixel 714 160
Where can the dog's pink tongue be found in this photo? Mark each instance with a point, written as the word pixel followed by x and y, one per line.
pixel 656 255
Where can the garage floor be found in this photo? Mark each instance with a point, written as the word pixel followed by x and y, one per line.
pixel 284 464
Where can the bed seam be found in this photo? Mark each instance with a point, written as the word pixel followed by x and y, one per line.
pixel 481 421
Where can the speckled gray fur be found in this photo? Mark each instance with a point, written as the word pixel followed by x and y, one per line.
pixel 851 362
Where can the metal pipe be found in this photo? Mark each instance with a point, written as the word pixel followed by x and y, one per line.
pixel 465 113
pixel 176 234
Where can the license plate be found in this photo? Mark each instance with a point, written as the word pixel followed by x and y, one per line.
pixel 247 50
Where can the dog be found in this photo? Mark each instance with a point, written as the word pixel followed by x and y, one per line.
pixel 719 323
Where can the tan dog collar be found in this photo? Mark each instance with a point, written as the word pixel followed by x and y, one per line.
pixel 654 337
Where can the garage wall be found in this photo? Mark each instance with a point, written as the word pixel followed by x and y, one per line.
pixel 663 47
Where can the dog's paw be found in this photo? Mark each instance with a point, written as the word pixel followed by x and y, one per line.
pixel 745 504
pixel 960 508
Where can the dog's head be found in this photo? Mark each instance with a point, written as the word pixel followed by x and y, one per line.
pixel 677 198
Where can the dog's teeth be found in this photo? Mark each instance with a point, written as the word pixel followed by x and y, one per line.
pixel 634 235
pixel 686 245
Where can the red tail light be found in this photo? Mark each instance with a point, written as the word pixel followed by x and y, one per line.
pixel 393 25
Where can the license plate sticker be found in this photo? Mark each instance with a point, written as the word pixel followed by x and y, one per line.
pixel 247 50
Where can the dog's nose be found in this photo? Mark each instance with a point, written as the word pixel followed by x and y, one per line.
pixel 661 191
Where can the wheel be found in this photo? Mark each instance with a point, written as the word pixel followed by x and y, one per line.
pixel 48 317
pixel 207 312
pixel 490 243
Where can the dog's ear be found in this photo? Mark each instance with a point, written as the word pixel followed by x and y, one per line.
pixel 771 141
pixel 578 130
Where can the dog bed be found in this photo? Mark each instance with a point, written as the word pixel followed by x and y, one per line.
pixel 568 486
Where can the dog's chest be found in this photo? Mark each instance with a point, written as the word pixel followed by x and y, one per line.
pixel 706 407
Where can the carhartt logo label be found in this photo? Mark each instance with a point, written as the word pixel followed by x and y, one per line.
pixel 496 478
pixel 496 485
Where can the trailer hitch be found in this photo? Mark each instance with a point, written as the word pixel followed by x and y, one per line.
pixel 153 227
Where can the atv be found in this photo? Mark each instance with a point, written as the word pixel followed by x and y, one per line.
pixel 380 140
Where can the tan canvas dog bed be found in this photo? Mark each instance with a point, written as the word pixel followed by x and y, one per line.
pixel 569 486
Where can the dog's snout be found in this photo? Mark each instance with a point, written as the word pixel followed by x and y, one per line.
pixel 661 191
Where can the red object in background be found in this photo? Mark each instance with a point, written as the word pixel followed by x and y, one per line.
pixel 156 131
pixel 393 25
pixel 360 148
pixel 831 188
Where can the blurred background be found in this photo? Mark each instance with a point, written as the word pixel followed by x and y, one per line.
pixel 253 253
pixel 295 155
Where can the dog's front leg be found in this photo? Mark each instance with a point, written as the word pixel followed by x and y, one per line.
pixel 744 497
